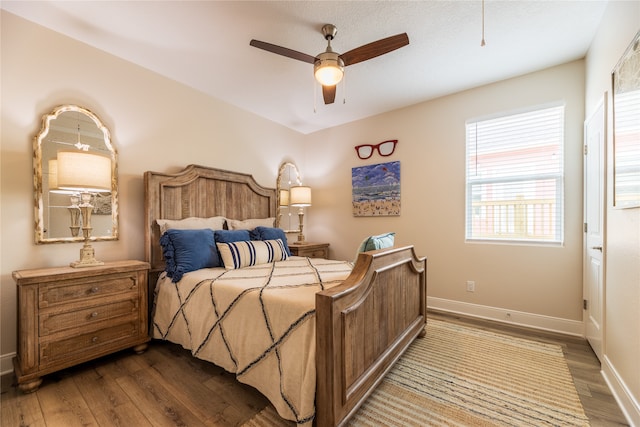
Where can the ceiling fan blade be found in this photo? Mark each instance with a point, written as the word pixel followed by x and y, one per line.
pixel 377 48
pixel 329 94
pixel 289 53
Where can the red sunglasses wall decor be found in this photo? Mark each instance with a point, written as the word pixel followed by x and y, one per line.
pixel 385 149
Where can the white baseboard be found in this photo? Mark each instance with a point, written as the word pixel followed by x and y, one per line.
pixel 520 318
pixel 6 364
pixel 630 406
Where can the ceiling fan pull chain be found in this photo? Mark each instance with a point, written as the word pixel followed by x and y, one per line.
pixel 344 88
pixel 482 43
pixel 314 97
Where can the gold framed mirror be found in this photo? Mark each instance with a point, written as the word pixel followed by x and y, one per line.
pixel 287 218
pixel 74 130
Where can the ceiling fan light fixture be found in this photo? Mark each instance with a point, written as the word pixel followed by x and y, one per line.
pixel 328 69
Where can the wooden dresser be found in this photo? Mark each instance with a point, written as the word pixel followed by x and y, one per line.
pixel 309 249
pixel 71 315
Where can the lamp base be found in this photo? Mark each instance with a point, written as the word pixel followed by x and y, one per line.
pixel 300 225
pixel 87 258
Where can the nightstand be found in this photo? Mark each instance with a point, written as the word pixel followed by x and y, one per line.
pixel 71 315
pixel 309 249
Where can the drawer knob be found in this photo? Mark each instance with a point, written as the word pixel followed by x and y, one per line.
pixel 94 339
pixel 94 314
pixel 95 289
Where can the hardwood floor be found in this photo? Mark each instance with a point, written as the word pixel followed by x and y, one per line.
pixel 166 386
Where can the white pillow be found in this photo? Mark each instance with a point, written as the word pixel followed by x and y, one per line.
pixel 251 252
pixel 250 224
pixel 191 223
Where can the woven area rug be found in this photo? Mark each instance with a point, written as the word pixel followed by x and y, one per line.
pixel 461 376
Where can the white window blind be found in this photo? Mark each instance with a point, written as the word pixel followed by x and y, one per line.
pixel 515 177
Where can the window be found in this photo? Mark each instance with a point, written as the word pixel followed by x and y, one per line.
pixel 515 177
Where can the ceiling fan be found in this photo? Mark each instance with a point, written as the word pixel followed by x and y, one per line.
pixel 329 66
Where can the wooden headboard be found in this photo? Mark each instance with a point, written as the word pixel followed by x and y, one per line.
pixel 199 191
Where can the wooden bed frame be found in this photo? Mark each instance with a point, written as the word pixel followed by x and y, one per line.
pixel 362 326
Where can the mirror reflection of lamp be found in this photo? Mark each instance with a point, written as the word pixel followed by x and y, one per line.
pixel 74 209
pixel 86 174
pixel 283 203
pixel 300 197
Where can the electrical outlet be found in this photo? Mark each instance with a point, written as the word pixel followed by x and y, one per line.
pixel 471 286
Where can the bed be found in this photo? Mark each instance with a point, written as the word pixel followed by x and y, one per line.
pixel 329 330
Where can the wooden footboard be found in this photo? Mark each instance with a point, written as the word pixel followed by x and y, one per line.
pixel 363 326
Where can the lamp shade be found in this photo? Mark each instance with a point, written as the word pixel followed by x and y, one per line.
pixel 300 196
pixel 284 197
pixel 84 172
pixel 53 174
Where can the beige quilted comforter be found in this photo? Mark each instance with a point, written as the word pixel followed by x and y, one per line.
pixel 257 322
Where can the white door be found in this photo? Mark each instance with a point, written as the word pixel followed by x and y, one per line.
pixel 594 211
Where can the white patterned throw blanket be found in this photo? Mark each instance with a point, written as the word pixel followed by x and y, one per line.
pixel 257 322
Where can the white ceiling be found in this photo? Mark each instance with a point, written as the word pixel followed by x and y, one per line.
pixel 205 45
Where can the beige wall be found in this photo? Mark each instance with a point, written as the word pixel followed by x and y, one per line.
pixel 622 244
pixel 538 285
pixel 156 124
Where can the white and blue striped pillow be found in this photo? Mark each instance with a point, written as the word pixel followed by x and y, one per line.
pixel 251 252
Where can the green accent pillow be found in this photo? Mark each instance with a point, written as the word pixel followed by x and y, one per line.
pixel 381 241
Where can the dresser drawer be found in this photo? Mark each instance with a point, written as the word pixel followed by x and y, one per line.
pixel 309 249
pixel 51 323
pixel 317 253
pixel 87 343
pixel 71 291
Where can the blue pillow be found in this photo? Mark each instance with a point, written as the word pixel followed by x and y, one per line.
pixel 270 233
pixel 188 250
pixel 230 236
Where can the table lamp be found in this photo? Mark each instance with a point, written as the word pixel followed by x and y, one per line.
pixel 86 174
pixel 300 197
